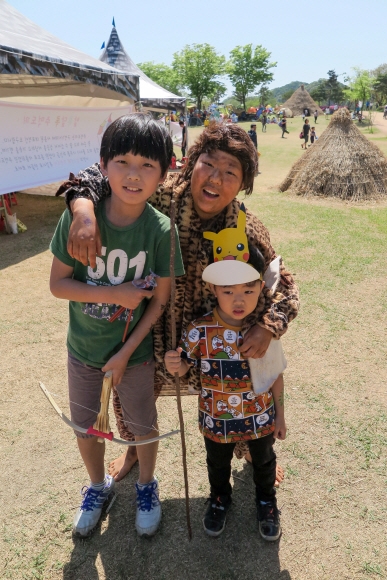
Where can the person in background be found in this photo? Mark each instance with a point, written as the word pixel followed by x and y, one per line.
pixel 315 114
pixel 183 138
pixel 253 136
pixel 282 124
pixel 264 121
pixel 305 130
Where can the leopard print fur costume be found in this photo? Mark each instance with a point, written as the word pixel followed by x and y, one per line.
pixel 193 297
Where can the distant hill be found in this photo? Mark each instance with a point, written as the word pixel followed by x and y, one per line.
pixel 280 91
pixel 293 86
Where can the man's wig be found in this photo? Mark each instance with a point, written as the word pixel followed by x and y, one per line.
pixel 231 139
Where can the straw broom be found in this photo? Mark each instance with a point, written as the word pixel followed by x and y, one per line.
pixel 177 379
pixel 102 422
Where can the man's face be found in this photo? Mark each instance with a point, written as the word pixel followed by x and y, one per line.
pixel 216 180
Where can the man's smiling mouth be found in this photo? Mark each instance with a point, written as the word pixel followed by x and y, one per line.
pixel 210 193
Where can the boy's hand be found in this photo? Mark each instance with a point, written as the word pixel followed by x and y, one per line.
pixel 117 364
pixel 129 296
pixel 280 429
pixel 172 360
pixel 256 342
pixel 84 241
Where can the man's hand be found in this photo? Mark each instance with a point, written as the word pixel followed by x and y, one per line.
pixel 129 296
pixel 117 364
pixel 84 241
pixel 172 360
pixel 256 342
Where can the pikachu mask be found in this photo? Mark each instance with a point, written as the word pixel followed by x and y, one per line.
pixel 231 253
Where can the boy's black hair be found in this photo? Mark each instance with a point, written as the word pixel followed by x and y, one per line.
pixel 138 134
pixel 181 122
pixel 256 260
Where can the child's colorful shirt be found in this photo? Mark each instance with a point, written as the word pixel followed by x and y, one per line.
pixel 229 410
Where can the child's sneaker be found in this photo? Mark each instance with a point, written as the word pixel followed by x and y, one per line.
pixel 214 519
pixel 148 515
pixel 90 511
pixel 268 519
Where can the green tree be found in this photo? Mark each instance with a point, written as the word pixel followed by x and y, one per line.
pixel 248 68
pixel 380 87
pixel 333 88
pixel 162 74
pixel 265 95
pixel 319 94
pixel 286 95
pixel 360 86
pixel 199 67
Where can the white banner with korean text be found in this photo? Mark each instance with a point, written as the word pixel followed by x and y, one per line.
pixel 40 144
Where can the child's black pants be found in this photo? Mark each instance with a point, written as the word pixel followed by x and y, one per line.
pixel 219 456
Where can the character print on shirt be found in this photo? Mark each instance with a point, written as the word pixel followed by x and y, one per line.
pixel 113 268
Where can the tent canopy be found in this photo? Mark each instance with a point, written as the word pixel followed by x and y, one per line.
pixel 34 65
pixel 151 94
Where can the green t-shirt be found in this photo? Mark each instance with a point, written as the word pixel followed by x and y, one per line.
pixel 128 253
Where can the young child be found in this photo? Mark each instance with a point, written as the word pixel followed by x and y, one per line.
pixel 313 135
pixel 135 155
pixel 233 404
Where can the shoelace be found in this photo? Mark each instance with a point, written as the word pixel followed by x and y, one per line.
pixel 216 505
pixel 147 497
pixel 270 511
pixel 90 497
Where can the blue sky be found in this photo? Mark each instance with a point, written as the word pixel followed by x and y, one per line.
pixel 305 38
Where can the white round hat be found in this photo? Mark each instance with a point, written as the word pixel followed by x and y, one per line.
pixel 230 272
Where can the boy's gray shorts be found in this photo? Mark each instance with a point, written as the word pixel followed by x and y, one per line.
pixel 136 392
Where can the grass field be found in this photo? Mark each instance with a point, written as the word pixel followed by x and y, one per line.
pixel 333 499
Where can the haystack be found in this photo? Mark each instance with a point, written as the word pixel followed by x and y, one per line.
pixel 341 163
pixel 301 100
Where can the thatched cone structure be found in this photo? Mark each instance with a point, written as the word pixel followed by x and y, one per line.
pixel 341 163
pixel 301 100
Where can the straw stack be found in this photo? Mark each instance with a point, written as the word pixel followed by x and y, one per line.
pixel 342 163
pixel 301 100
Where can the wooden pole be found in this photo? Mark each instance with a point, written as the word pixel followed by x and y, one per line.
pixel 177 379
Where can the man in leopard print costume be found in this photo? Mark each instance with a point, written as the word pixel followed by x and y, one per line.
pixel 221 163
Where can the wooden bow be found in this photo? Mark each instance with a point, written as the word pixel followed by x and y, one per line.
pixel 108 436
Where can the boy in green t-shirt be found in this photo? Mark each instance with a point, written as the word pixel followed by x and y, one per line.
pixel 135 155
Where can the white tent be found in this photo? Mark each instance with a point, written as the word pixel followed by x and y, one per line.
pixel 151 94
pixel 55 102
pixel 37 67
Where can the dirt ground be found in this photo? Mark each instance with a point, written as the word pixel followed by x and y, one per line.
pixel 333 498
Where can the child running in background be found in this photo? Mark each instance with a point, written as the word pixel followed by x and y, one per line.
pixel 238 401
pixel 135 155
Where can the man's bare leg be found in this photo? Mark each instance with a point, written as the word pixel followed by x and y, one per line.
pixel 279 472
pixel 120 467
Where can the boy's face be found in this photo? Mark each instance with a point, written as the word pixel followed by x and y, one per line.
pixel 132 178
pixel 237 301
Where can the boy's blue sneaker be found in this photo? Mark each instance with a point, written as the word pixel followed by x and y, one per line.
pixel 90 511
pixel 268 519
pixel 148 515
